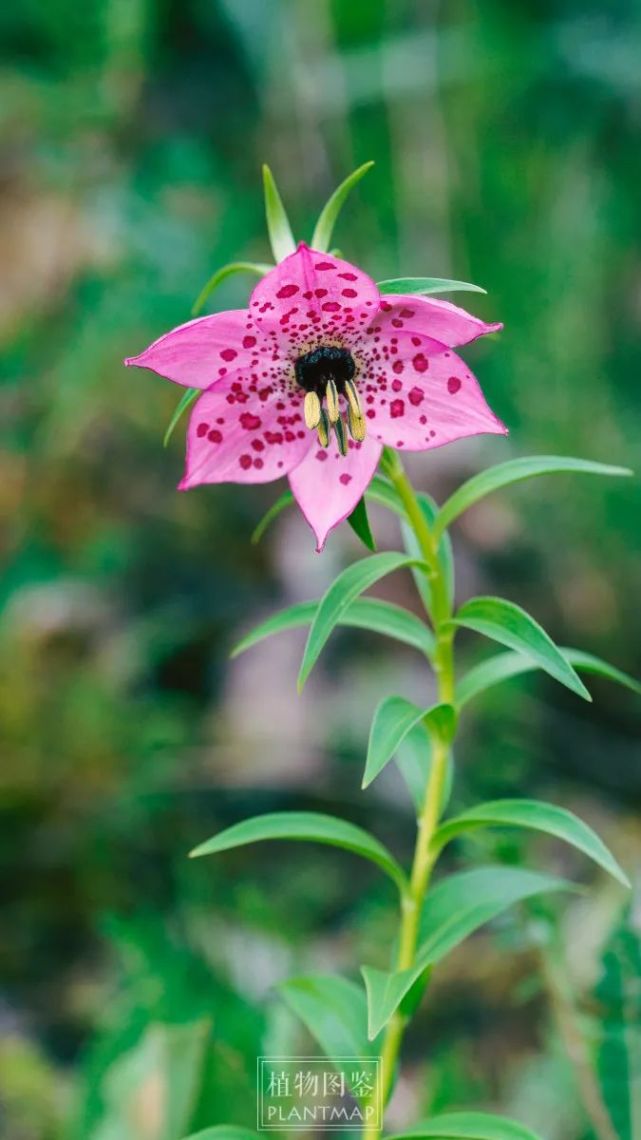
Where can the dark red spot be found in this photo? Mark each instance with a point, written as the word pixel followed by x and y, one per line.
pixel 397 367
pixel 386 307
pixel 249 421
pixel 416 340
pixel 397 324
pixel 202 430
pixel 245 462
pixel 350 293
pixel 324 265
pixel 330 307
pixel 416 396
pixel 229 354
pixel 371 414
pixel 287 291
pixel 348 276
pixel 397 386
pixel 258 463
pixel 274 437
pixel 258 445
pixel 345 479
pixel 396 409
pixel 249 341
pixel 320 292
pixel 215 436
pixel 407 313
pixel 321 456
pixel 453 385
pixel 420 362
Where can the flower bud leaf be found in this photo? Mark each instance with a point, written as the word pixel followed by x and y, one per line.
pixel 281 238
pixel 259 269
pixel 427 285
pixel 329 214
pixel 359 522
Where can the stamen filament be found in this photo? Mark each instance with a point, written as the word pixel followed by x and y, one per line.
pixel 341 437
pixel 322 429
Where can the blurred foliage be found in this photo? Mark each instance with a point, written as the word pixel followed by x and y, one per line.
pixel 506 140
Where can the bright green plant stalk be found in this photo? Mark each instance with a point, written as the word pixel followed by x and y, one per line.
pixel 429 816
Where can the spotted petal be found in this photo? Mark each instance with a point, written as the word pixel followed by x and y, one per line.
pixel 419 394
pixel 201 352
pixel 437 319
pixel 328 485
pixel 242 433
pixel 312 295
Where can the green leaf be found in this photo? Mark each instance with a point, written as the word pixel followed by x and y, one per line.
pixel 185 401
pixel 511 626
pixel 280 233
pixel 454 909
pixel 283 501
pixel 332 606
pixel 305 825
pixel 322 235
pixel 259 269
pixel 445 555
pixel 536 816
pixel 467 1126
pixel 514 471
pixel 334 1011
pixel 359 523
pixel 393 720
pixel 370 614
pixel 224 1132
pixel 427 285
pixel 619 1051
pixel 505 665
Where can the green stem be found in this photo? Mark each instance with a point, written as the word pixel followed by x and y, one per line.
pixel 424 856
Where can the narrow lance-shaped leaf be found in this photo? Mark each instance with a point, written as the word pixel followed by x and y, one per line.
pixel 619 1049
pixel 224 1132
pixel 185 401
pixel 510 625
pixel 502 666
pixel 393 720
pixel 280 233
pixel 352 582
pixel 305 825
pixel 454 909
pixel 334 1010
pixel 515 471
pixel 467 1126
pixel 328 216
pixel 257 268
pixel 427 285
pixel 536 816
pixel 370 614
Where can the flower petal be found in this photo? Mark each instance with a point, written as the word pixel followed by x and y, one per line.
pixel 419 394
pixel 201 352
pixel 437 319
pixel 311 295
pixel 244 434
pixel 327 485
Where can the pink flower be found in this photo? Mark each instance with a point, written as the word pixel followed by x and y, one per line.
pixel 315 377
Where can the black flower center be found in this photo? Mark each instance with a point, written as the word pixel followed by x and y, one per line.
pixel 315 368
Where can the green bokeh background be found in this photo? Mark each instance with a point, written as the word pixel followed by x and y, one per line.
pixel 507 144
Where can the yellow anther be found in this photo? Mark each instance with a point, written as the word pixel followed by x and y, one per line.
pixel 357 425
pixel 312 410
pixel 351 391
pixel 331 395
pixel 341 437
pixel 322 429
